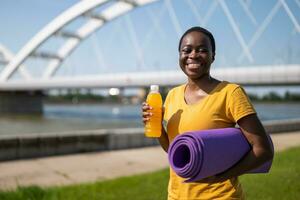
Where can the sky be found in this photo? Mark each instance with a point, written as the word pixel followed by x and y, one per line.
pixel 152 42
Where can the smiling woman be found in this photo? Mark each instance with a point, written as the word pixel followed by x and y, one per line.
pixel 207 103
pixel 196 54
pixel 190 47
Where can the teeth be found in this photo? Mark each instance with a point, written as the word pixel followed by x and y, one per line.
pixel 194 65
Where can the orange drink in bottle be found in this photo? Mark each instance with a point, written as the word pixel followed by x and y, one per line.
pixel 154 125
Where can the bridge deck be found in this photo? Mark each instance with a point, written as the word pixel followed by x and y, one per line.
pixel 258 75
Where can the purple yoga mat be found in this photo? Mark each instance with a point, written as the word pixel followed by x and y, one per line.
pixel 200 154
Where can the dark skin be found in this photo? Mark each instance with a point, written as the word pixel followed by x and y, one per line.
pixel 163 139
pixel 195 59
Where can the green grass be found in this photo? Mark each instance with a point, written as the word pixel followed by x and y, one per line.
pixel 149 186
pixel 282 183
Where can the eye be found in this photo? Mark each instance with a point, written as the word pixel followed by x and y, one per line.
pixel 186 50
pixel 202 50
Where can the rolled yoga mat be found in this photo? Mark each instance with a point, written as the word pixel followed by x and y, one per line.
pixel 199 154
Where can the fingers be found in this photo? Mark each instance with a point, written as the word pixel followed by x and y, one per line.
pixel 146 107
pixel 210 179
pixel 145 112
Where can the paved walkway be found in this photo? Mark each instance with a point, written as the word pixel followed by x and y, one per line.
pixel 88 167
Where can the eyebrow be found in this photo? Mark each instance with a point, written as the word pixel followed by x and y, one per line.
pixel 189 45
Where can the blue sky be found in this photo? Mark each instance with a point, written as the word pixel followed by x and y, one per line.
pixel 20 20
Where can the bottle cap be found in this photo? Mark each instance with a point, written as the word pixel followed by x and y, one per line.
pixel 154 88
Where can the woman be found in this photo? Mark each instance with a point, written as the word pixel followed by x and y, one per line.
pixel 207 103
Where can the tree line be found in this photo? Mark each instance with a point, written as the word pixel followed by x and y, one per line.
pixel 89 97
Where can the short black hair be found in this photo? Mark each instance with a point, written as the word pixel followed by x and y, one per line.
pixel 202 30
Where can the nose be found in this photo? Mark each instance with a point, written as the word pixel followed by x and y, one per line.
pixel 194 54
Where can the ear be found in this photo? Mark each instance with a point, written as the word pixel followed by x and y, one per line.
pixel 213 57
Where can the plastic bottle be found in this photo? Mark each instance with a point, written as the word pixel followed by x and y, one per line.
pixel 154 126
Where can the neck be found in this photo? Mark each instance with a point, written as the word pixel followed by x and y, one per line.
pixel 203 83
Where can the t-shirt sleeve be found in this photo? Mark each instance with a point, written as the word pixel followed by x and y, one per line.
pixel 167 104
pixel 167 100
pixel 239 105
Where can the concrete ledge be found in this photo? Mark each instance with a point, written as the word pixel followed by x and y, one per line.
pixel 8 148
pixel 21 102
pixel 279 126
pixel 37 145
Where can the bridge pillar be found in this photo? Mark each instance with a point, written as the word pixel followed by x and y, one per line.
pixel 21 102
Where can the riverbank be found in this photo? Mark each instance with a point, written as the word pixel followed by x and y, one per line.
pixel 89 167
pixel 70 118
pixel 59 143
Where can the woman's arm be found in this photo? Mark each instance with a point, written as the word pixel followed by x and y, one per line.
pixel 261 150
pixel 163 139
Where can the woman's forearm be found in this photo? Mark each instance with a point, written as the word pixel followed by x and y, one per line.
pixel 261 150
pixel 253 159
pixel 163 140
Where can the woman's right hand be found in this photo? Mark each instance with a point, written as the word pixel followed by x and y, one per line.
pixel 146 112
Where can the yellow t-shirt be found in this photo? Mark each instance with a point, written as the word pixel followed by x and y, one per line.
pixel 222 108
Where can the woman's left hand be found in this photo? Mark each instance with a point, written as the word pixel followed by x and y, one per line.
pixel 213 179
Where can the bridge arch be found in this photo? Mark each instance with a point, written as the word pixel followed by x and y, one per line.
pixel 6 56
pixel 112 10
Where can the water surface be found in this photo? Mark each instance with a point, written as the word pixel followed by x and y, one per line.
pixel 69 117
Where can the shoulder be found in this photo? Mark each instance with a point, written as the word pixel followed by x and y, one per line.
pixel 231 88
pixel 176 90
pixel 175 94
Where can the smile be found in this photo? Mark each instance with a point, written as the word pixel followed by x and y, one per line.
pixel 194 66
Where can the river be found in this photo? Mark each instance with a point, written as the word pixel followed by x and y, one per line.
pixel 69 117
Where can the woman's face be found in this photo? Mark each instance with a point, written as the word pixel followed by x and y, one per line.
pixel 196 56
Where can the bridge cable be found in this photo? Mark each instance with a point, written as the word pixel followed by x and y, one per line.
pixel 174 19
pixel 134 40
pixel 194 10
pixel 248 12
pixel 156 20
pixel 236 30
pixel 209 13
pixel 262 28
pixel 99 55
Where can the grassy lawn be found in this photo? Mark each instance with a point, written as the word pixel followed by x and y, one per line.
pixel 282 183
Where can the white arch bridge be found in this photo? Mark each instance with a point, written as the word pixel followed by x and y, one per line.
pixel 250 76
pixel 106 11
pixel 100 12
